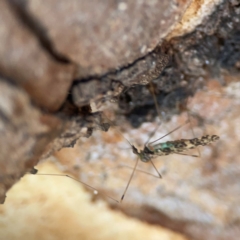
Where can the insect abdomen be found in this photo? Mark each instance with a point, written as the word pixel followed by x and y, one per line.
pixel 181 145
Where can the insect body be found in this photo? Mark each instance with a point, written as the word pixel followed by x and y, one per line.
pixel 172 147
pixel 153 149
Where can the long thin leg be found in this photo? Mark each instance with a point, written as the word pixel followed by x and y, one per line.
pixel 119 132
pixel 187 121
pixel 158 112
pixel 130 179
pixel 154 98
pixel 199 153
pixel 88 186
pixel 160 176
pixel 152 134
pixel 137 170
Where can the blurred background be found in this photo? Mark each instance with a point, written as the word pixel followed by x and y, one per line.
pixel 78 80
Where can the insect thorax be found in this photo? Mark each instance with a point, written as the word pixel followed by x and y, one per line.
pixel 146 154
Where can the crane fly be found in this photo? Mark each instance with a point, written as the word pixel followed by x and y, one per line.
pixel 152 150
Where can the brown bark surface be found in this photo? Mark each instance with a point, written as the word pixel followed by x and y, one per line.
pixel 63 62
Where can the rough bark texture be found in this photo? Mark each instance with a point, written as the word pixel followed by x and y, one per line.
pixel 59 58
pixel 51 51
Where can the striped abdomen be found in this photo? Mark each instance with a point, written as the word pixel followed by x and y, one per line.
pixel 181 145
